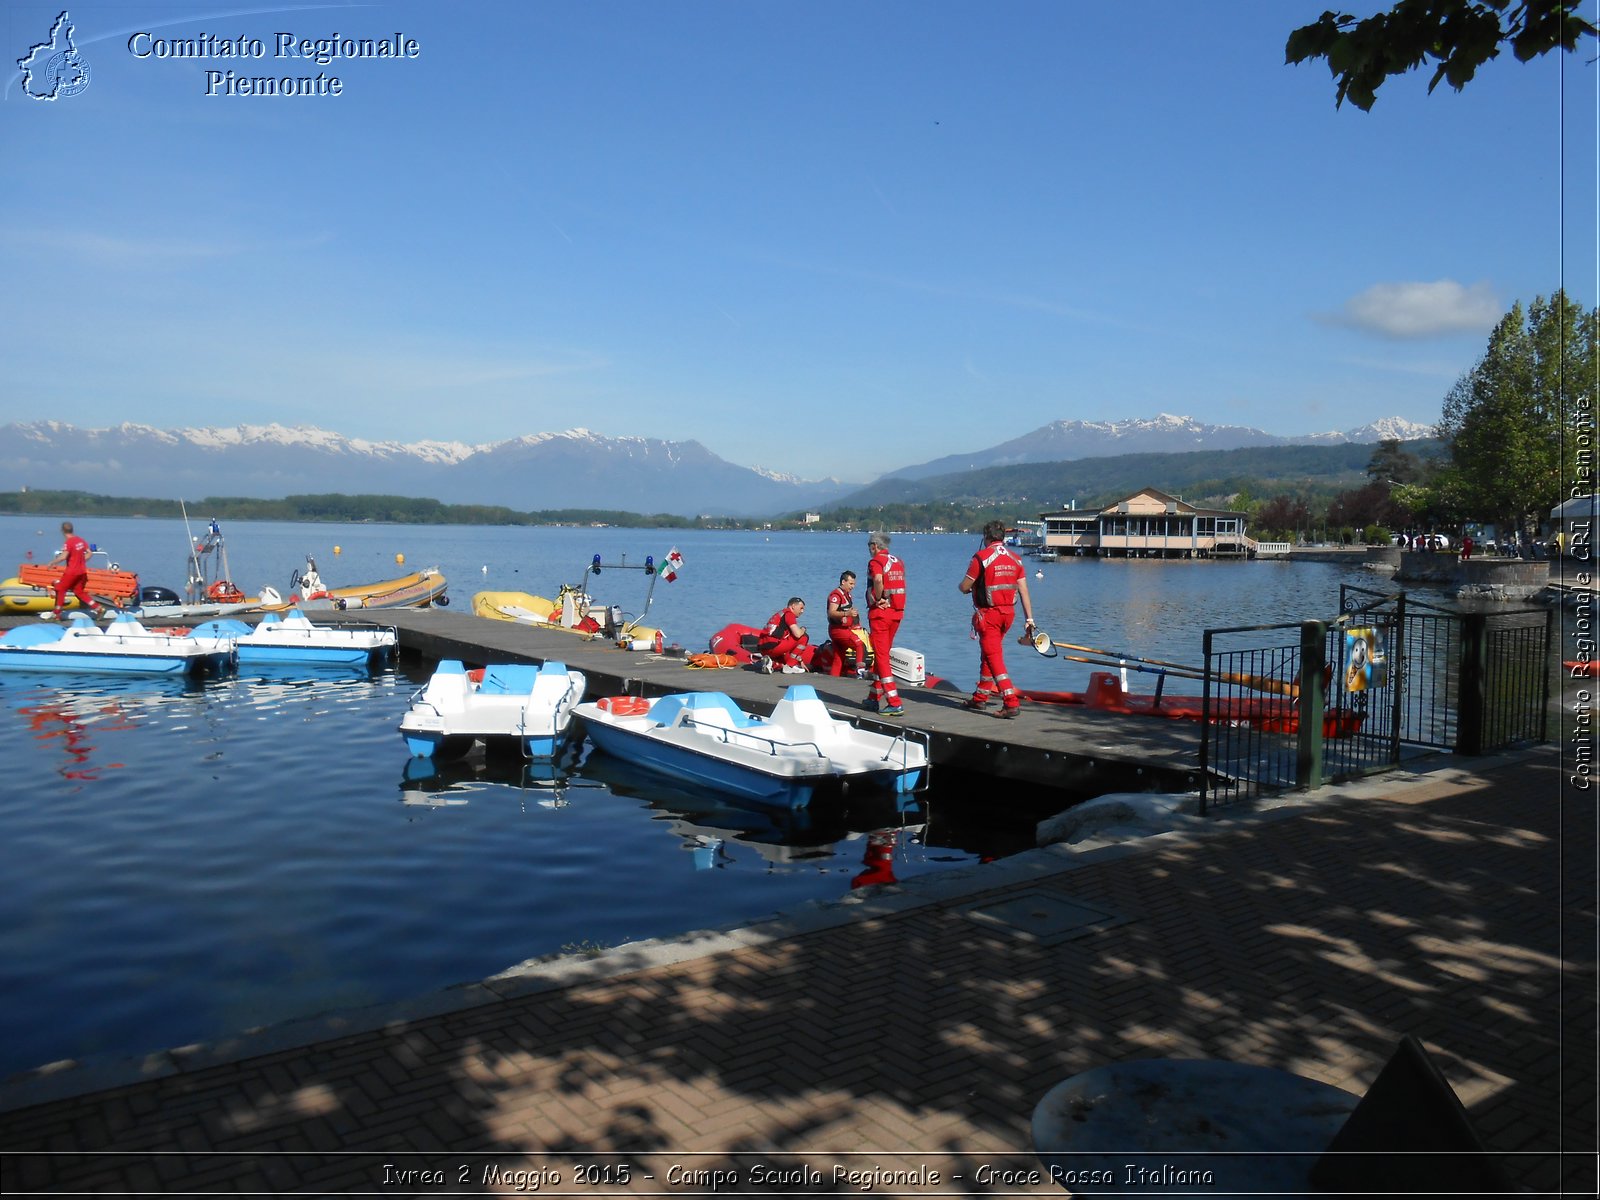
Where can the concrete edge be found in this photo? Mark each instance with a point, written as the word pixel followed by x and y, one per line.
pixel 76 1077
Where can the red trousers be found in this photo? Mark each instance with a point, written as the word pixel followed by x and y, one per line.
pixel 782 651
pixel 78 585
pixel 845 642
pixel 991 624
pixel 883 624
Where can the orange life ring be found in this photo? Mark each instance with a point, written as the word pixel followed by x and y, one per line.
pixel 624 706
pixel 225 592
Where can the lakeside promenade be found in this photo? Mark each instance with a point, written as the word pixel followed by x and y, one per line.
pixel 910 1031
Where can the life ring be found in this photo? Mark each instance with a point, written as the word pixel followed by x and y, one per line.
pixel 624 706
pixel 224 591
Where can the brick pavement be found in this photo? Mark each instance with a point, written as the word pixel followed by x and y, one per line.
pixel 915 1036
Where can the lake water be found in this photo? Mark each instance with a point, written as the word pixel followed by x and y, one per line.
pixel 187 860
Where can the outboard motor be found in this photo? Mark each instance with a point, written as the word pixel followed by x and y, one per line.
pixel 158 597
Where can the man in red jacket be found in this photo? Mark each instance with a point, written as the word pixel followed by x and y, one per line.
pixel 842 622
pixel 886 597
pixel 75 575
pixel 782 637
pixel 995 579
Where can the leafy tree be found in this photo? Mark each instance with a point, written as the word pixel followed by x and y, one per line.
pixel 1371 504
pixel 1517 421
pixel 1459 35
pixel 1392 463
pixel 1281 518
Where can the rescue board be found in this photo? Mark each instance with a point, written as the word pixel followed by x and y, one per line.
pixel 117 585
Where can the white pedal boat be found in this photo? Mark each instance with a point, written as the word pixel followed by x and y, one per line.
pixel 531 704
pixel 293 639
pixel 704 738
pixel 125 647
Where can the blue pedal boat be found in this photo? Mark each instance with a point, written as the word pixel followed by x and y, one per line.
pixel 293 639
pixel 521 702
pixel 704 738
pixel 123 647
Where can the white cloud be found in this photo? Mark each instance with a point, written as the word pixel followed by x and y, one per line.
pixel 1420 310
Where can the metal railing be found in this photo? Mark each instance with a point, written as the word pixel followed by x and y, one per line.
pixel 1250 712
pixel 1296 705
pixel 1472 681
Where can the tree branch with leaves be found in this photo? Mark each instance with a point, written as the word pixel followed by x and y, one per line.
pixel 1458 35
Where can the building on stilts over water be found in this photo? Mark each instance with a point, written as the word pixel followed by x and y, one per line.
pixel 1149 524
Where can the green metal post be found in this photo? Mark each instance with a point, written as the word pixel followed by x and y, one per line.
pixel 1397 678
pixel 1471 692
pixel 1313 703
pixel 1544 690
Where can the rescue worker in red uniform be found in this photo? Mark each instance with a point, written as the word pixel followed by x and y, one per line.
pixel 886 596
pixel 781 637
pixel 75 577
pixel 848 653
pixel 995 580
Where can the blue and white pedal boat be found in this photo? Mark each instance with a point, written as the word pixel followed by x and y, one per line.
pixel 294 640
pixel 123 647
pixel 704 738
pixel 530 705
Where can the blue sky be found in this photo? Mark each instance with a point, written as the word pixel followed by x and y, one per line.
pixel 826 238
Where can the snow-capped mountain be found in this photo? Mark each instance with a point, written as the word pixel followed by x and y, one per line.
pixel 573 469
pixel 1062 441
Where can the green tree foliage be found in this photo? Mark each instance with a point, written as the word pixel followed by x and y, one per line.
pixel 1517 423
pixel 1199 476
pixel 1458 35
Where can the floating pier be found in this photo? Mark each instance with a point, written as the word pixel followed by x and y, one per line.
pixel 1070 752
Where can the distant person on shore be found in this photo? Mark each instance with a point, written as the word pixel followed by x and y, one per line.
pixel 996 580
pixel 849 655
pixel 886 606
pixel 782 638
pixel 74 553
pixel 1466 546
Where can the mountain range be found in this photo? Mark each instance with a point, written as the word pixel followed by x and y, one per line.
pixel 1066 441
pixel 575 468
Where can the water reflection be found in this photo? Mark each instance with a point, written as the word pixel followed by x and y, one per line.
pixel 67 718
pixel 56 722
pixel 867 835
pixel 437 783
pixel 877 864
